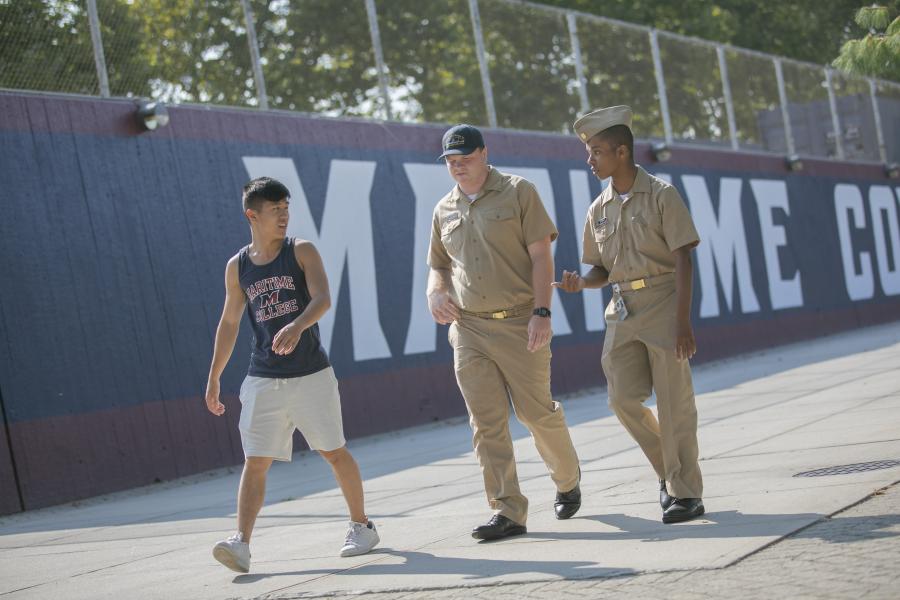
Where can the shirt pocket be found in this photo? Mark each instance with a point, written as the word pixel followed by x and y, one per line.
pixel 501 213
pixel 500 223
pixel 452 237
pixel 647 229
pixel 605 238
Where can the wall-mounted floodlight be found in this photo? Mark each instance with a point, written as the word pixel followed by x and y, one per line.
pixel 793 163
pixel 892 170
pixel 152 115
pixel 661 151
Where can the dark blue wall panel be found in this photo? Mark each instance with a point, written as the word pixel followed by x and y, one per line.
pixel 114 244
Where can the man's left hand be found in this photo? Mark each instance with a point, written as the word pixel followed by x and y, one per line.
pixel 539 332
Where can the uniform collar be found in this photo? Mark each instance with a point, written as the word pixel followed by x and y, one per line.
pixel 641 185
pixel 494 182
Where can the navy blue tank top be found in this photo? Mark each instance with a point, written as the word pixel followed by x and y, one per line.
pixel 276 295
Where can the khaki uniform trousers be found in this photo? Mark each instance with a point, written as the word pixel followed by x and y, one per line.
pixel 494 367
pixel 639 357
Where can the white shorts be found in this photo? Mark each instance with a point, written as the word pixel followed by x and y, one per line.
pixel 273 408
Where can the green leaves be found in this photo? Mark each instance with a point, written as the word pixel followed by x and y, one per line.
pixel 878 53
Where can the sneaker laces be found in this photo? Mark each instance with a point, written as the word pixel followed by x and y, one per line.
pixel 237 537
pixel 354 528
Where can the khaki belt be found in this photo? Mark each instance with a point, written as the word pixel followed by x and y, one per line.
pixel 507 313
pixel 639 284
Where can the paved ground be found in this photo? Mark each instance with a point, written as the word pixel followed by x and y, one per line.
pixel 854 554
pixel 765 419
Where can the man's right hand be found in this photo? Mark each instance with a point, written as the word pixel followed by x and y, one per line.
pixel 212 398
pixel 571 282
pixel 442 308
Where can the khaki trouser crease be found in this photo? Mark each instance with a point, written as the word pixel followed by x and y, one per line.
pixel 493 369
pixel 639 357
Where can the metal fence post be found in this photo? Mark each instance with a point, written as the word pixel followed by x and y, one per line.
pixel 379 57
pixel 835 119
pixel 97 42
pixel 661 87
pixel 261 95
pixel 482 63
pixel 879 132
pixel 785 113
pixel 579 64
pixel 726 90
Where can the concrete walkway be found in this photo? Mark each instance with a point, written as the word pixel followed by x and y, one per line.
pixel 788 437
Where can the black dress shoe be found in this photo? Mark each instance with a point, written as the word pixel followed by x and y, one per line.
pixel 498 527
pixel 665 500
pixel 683 509
pixel 567 503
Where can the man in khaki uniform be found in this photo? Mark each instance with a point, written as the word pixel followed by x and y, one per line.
pixel 638 236
pixel 491 270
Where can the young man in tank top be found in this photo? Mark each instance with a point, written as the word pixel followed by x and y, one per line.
pixel 290 383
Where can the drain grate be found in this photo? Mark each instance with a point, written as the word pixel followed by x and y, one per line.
pixel 874 465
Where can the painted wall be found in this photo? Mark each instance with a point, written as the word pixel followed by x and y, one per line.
pixel 113 245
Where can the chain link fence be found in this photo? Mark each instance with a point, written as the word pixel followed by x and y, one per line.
pixel 499 63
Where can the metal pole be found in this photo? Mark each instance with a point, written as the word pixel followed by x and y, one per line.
pixel 379 57
pixel 835 119
pixel 785 113
pixel 97 42
pixel 873 94
pixel 579 64
pixel 261 95
pixel 661 87
pixel 482 63
pixel 726 90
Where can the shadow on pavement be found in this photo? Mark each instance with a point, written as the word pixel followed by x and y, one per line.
pixel 730 523
pixel 423 563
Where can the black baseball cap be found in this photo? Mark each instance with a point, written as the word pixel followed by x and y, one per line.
pixel 461 139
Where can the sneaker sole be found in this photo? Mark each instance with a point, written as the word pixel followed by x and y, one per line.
pixel 359 551
pixel 228 559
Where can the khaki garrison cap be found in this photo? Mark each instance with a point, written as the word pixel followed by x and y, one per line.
pixel 594 122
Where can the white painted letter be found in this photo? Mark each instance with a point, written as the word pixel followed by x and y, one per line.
pixel 771 194
pixel 581 202
pixel 882 205
pixel 345 239
pixel 429 184
pixel 723 244
pixel 847 198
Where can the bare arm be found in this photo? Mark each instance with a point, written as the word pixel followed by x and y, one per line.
pixel 226 335
pixel 287 339
pixel 571 281
pixel 442 308
pixel 685 344
pixel 540 329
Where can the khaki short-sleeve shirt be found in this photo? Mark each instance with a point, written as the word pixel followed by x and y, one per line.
pixel 635 238
pixel 484 243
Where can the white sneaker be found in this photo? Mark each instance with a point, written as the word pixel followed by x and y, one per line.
pixel 234 553
pixel 361 538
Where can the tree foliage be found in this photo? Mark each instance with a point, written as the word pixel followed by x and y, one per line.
pixel 878 53
pixel 317 55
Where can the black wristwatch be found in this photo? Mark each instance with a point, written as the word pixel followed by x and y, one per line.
pixel 541 312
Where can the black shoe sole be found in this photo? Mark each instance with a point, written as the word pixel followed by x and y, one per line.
pixel 680 518
pixel 518 530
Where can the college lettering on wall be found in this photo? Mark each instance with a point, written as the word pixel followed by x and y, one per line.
pixel 744 227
